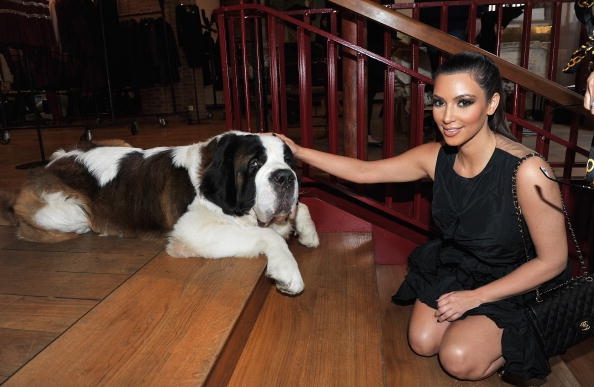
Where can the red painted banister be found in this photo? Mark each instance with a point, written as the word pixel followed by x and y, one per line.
pixel 265 91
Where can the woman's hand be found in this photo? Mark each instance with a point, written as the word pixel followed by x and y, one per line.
pixel 451 306
pixel 290 143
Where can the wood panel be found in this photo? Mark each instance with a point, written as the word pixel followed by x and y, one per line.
pixel 16 347
pixel 330 334
pixel 580 361
pixel 165 326
pixel 88 243
pixel 6 235
pixel 52 283
pixel 29 324
pixel 97 262
pixel 46 288
pixel 42 314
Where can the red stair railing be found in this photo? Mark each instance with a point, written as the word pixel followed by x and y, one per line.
pixel 265 92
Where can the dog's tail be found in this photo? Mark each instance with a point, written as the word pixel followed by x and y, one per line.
pixel 7 214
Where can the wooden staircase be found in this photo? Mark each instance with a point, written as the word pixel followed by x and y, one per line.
pixel 187 322
pixel 191 322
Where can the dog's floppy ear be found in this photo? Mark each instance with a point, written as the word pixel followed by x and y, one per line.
pixel 219 183
pixel 289 157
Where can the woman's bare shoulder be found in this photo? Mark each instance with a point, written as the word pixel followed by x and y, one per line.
pixel 430 148
pixel 512 147
pixel 426 156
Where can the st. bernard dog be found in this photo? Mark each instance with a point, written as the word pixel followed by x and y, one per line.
pixel 235 195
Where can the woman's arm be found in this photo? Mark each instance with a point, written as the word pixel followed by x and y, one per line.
pixel 589 94
pixel 415 164
pixel 540 201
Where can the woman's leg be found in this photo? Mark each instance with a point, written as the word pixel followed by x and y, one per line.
pixel 424 332
pixel 471 348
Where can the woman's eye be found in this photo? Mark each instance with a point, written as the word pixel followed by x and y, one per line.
pixel 437 102
pixel 465 102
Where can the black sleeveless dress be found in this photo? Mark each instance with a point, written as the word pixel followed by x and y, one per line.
pixel 480 242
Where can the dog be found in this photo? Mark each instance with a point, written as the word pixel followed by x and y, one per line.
pixel 233 195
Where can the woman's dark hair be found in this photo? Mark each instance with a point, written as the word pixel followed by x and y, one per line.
pixel 486 73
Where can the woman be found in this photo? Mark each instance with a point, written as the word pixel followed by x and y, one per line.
pixel 469 285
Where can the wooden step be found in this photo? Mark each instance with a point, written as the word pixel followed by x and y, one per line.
pixel 165 326
pixel 328 336
pixel 46 288
pixel 191 322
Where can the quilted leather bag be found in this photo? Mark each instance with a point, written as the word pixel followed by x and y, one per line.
pixel 563 315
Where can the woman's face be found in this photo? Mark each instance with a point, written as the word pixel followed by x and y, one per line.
pixel 460 108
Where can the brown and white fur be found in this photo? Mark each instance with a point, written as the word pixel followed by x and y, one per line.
pixel 234 195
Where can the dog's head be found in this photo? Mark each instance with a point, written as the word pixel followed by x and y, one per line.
pixel 243 172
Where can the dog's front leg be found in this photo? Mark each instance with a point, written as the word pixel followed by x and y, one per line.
pixel 305 227
pixel 220 241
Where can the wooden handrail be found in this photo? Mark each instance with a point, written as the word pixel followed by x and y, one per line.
pixel 446 42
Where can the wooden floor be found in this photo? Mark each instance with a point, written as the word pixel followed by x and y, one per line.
pixel 109 311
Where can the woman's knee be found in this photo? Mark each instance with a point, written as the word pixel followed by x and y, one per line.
pixel 471 348
pixel 423 343
pixel 424 332
pixel 457 361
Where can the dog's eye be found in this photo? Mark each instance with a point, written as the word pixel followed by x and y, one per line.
pixel 254 164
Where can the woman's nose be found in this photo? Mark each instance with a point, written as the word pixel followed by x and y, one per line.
pixel 445 114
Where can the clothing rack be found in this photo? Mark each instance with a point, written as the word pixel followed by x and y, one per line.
pixel 97 105
pixel 165 42
pixel 160 115
pixel 207 25
pixel 38 124
pixel 25 113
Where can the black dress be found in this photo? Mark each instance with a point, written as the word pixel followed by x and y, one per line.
pixel 479 243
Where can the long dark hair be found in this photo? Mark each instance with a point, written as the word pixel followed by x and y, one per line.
pixel 486 73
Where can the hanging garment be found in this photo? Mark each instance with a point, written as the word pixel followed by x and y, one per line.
pixel 81 41
pixel 189 33
pixel 26 23
pixel 163 50
pixel 6 77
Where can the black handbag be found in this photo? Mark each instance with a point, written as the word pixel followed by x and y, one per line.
pixel 563 315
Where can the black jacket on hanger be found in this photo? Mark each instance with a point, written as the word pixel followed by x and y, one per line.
pixel 189 33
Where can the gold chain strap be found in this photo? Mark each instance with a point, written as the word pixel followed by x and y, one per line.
pixel 579 54
pixel 586 49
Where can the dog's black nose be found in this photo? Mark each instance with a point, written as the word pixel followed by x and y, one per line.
pixel 283 178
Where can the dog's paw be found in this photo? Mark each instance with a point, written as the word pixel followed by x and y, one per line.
pixel 178 249
pixel 309 237
pixel 287 280
pixel 305 227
